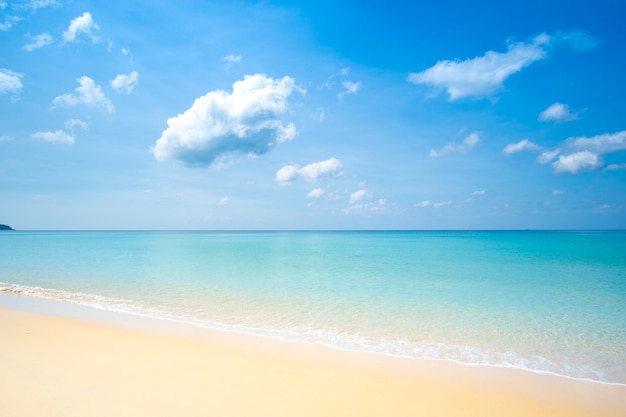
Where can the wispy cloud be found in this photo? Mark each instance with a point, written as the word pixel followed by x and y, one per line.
pixel 87 93
pixel 231 59
pixel 38 41
pixel 557 112
pixel 523 145
pixel 483 76
pixel 219 123
pixel 81 25
pixel 331 167
pixel 467 145
pixel 315 193
pixel 576 162
pixel 360 195
pixel 59 136
pixel 349 87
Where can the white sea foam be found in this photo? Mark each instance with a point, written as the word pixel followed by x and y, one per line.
pixel 335 338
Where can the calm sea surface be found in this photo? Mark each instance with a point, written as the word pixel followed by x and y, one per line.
pixel 544 301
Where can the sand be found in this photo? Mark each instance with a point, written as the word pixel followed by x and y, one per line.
pixel 64 366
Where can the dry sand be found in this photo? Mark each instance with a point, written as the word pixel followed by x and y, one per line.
pixel 60 366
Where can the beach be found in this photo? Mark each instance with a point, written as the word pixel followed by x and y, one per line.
pixel 61 365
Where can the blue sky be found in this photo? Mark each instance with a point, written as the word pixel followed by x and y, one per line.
pixel 312 115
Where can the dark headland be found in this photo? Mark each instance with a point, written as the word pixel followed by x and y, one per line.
pixel 5 227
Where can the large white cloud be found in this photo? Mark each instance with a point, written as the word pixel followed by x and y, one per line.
pixel 125 82
pixel 558 112
pixel 467 145
pixel 484 75
pixel 221 123
pixel 87 93
pixel 330 167
pixel 10 81
pixel 81 25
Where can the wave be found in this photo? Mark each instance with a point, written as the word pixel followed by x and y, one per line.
pixel 335 338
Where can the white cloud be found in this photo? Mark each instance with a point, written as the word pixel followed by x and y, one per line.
pixel 350 87
pixel 480 192
pixel 442 204
pixel 557 192
pixel 72 124
pixel 523 145
pixel 8 23
pixel 87 93
pixel 467 145
pixel 59 136
pixel 616 167
pixel 557 112
pixel 483 75
pixel 605 143
pixel 315 193
pixel 330 167
pixel 40 4
pixel 360 195
pixel 423 204
pixel 548 156
pixel 10 81
pixel 125 82
pixel 223 201
pixel 577 162
pixel 38 41
pixel 232 58
pixel 221 123
pixel 83 24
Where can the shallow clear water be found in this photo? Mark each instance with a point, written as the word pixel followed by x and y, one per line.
pixel 545 301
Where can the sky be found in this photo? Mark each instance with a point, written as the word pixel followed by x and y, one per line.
pixel 247 115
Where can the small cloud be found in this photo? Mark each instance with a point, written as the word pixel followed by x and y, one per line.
pixel 548 156
pixel 557 192
pixel 246 121
pixel 523 145
pixel 72 124
pixel 467 145
pixel 557 112
pixel 125 51
pixel 442 204
pixel 606 206
pixel 87 93
pixel 360 195
pixel 38 41
pixel 231 59
pixel 423 204
pixel 315 193
pixel 125 82
pixel 616 167
pixel 480 192
pixel 10 81
pixel 5 138
pixel 59 136
pixel 81 25
pixel 605 143
pixel 330 167
pixel 223 201
pixel 349 88
pixel 579 161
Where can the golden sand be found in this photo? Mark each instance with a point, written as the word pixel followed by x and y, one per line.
pixel 57 366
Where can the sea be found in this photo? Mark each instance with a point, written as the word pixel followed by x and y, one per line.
pixel 544 301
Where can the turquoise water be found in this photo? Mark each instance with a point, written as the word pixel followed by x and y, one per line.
pixel 545 301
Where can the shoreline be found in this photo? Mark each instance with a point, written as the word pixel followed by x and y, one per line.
pixel 253 376
pixel 19 296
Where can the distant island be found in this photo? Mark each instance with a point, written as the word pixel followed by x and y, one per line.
pixel 5 227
